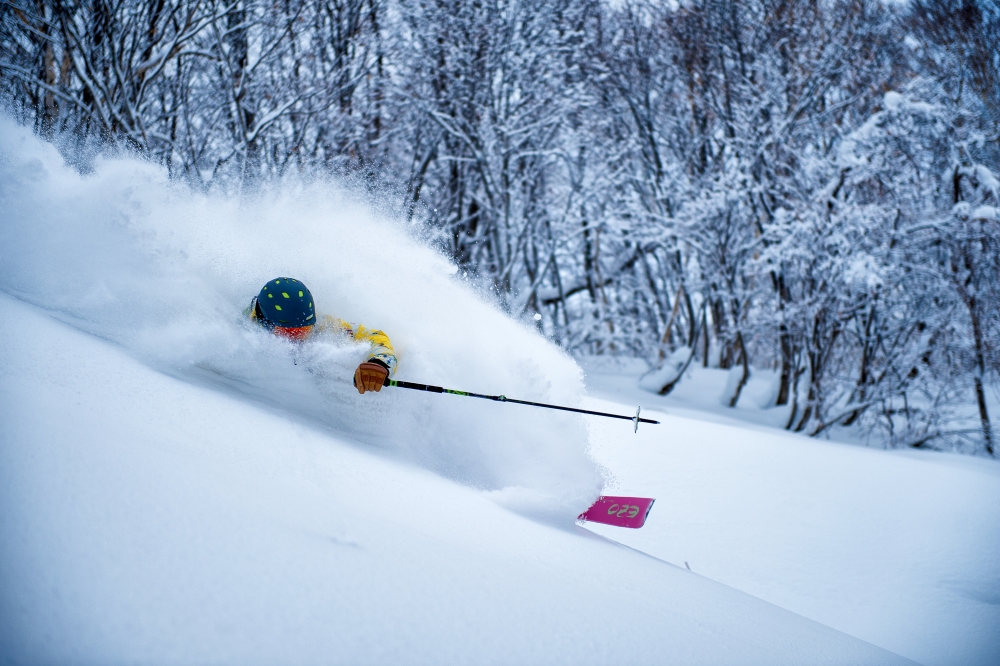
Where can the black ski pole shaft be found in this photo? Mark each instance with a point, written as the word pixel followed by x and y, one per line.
pixel 501 398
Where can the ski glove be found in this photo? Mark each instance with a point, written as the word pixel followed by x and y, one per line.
pixel 370 376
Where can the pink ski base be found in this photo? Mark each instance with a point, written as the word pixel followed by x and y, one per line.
pixel 619 511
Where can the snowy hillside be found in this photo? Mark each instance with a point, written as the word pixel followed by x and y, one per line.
pixel 896 547
pixel 146 519
pixel 178 487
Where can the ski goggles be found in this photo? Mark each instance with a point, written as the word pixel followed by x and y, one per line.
pixel 298 334
pixel 295 333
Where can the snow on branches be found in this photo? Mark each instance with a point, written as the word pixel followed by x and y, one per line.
pixel 806 188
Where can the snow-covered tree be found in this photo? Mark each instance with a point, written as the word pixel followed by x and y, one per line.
pixel 799 186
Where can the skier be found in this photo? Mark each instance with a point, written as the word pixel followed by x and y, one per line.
pixel 284 306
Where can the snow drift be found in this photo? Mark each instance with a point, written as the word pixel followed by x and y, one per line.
pixel 219 532
pixel 165 272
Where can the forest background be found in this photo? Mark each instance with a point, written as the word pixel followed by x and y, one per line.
pixel 809 188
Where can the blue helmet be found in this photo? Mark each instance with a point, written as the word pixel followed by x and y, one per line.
pixel 285 302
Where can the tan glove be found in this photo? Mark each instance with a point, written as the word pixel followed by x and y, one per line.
pixel 370 376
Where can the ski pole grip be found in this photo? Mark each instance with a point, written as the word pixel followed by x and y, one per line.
pixel 412 385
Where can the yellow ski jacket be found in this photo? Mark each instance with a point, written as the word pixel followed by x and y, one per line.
pixel 381 347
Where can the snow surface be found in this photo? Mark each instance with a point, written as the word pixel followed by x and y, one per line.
pixel 146 519
pixel 899 548
pixel 178 487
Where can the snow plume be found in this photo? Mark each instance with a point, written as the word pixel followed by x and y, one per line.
pixel 166 272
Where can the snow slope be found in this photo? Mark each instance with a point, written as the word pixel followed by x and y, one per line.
pixel 177 486
pixel 147 519
pixel 165 272
pixel 899 548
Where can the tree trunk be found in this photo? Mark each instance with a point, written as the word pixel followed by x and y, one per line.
pixel 668 337
pixel 977 335
pixel 746 369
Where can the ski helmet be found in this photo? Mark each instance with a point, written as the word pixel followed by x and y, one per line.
pixel 285 303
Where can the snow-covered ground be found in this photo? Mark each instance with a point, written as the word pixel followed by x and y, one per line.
pixel 900 548
pixel 178 487
pixel 146 519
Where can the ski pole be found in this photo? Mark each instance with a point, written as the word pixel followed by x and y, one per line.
pixel 501 398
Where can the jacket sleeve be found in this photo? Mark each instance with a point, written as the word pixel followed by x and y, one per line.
pixel 381 347
pixel 250 311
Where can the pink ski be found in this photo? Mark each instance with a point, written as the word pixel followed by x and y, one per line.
pixel 619 511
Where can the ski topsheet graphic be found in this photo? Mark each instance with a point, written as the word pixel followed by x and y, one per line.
pixel 619 511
